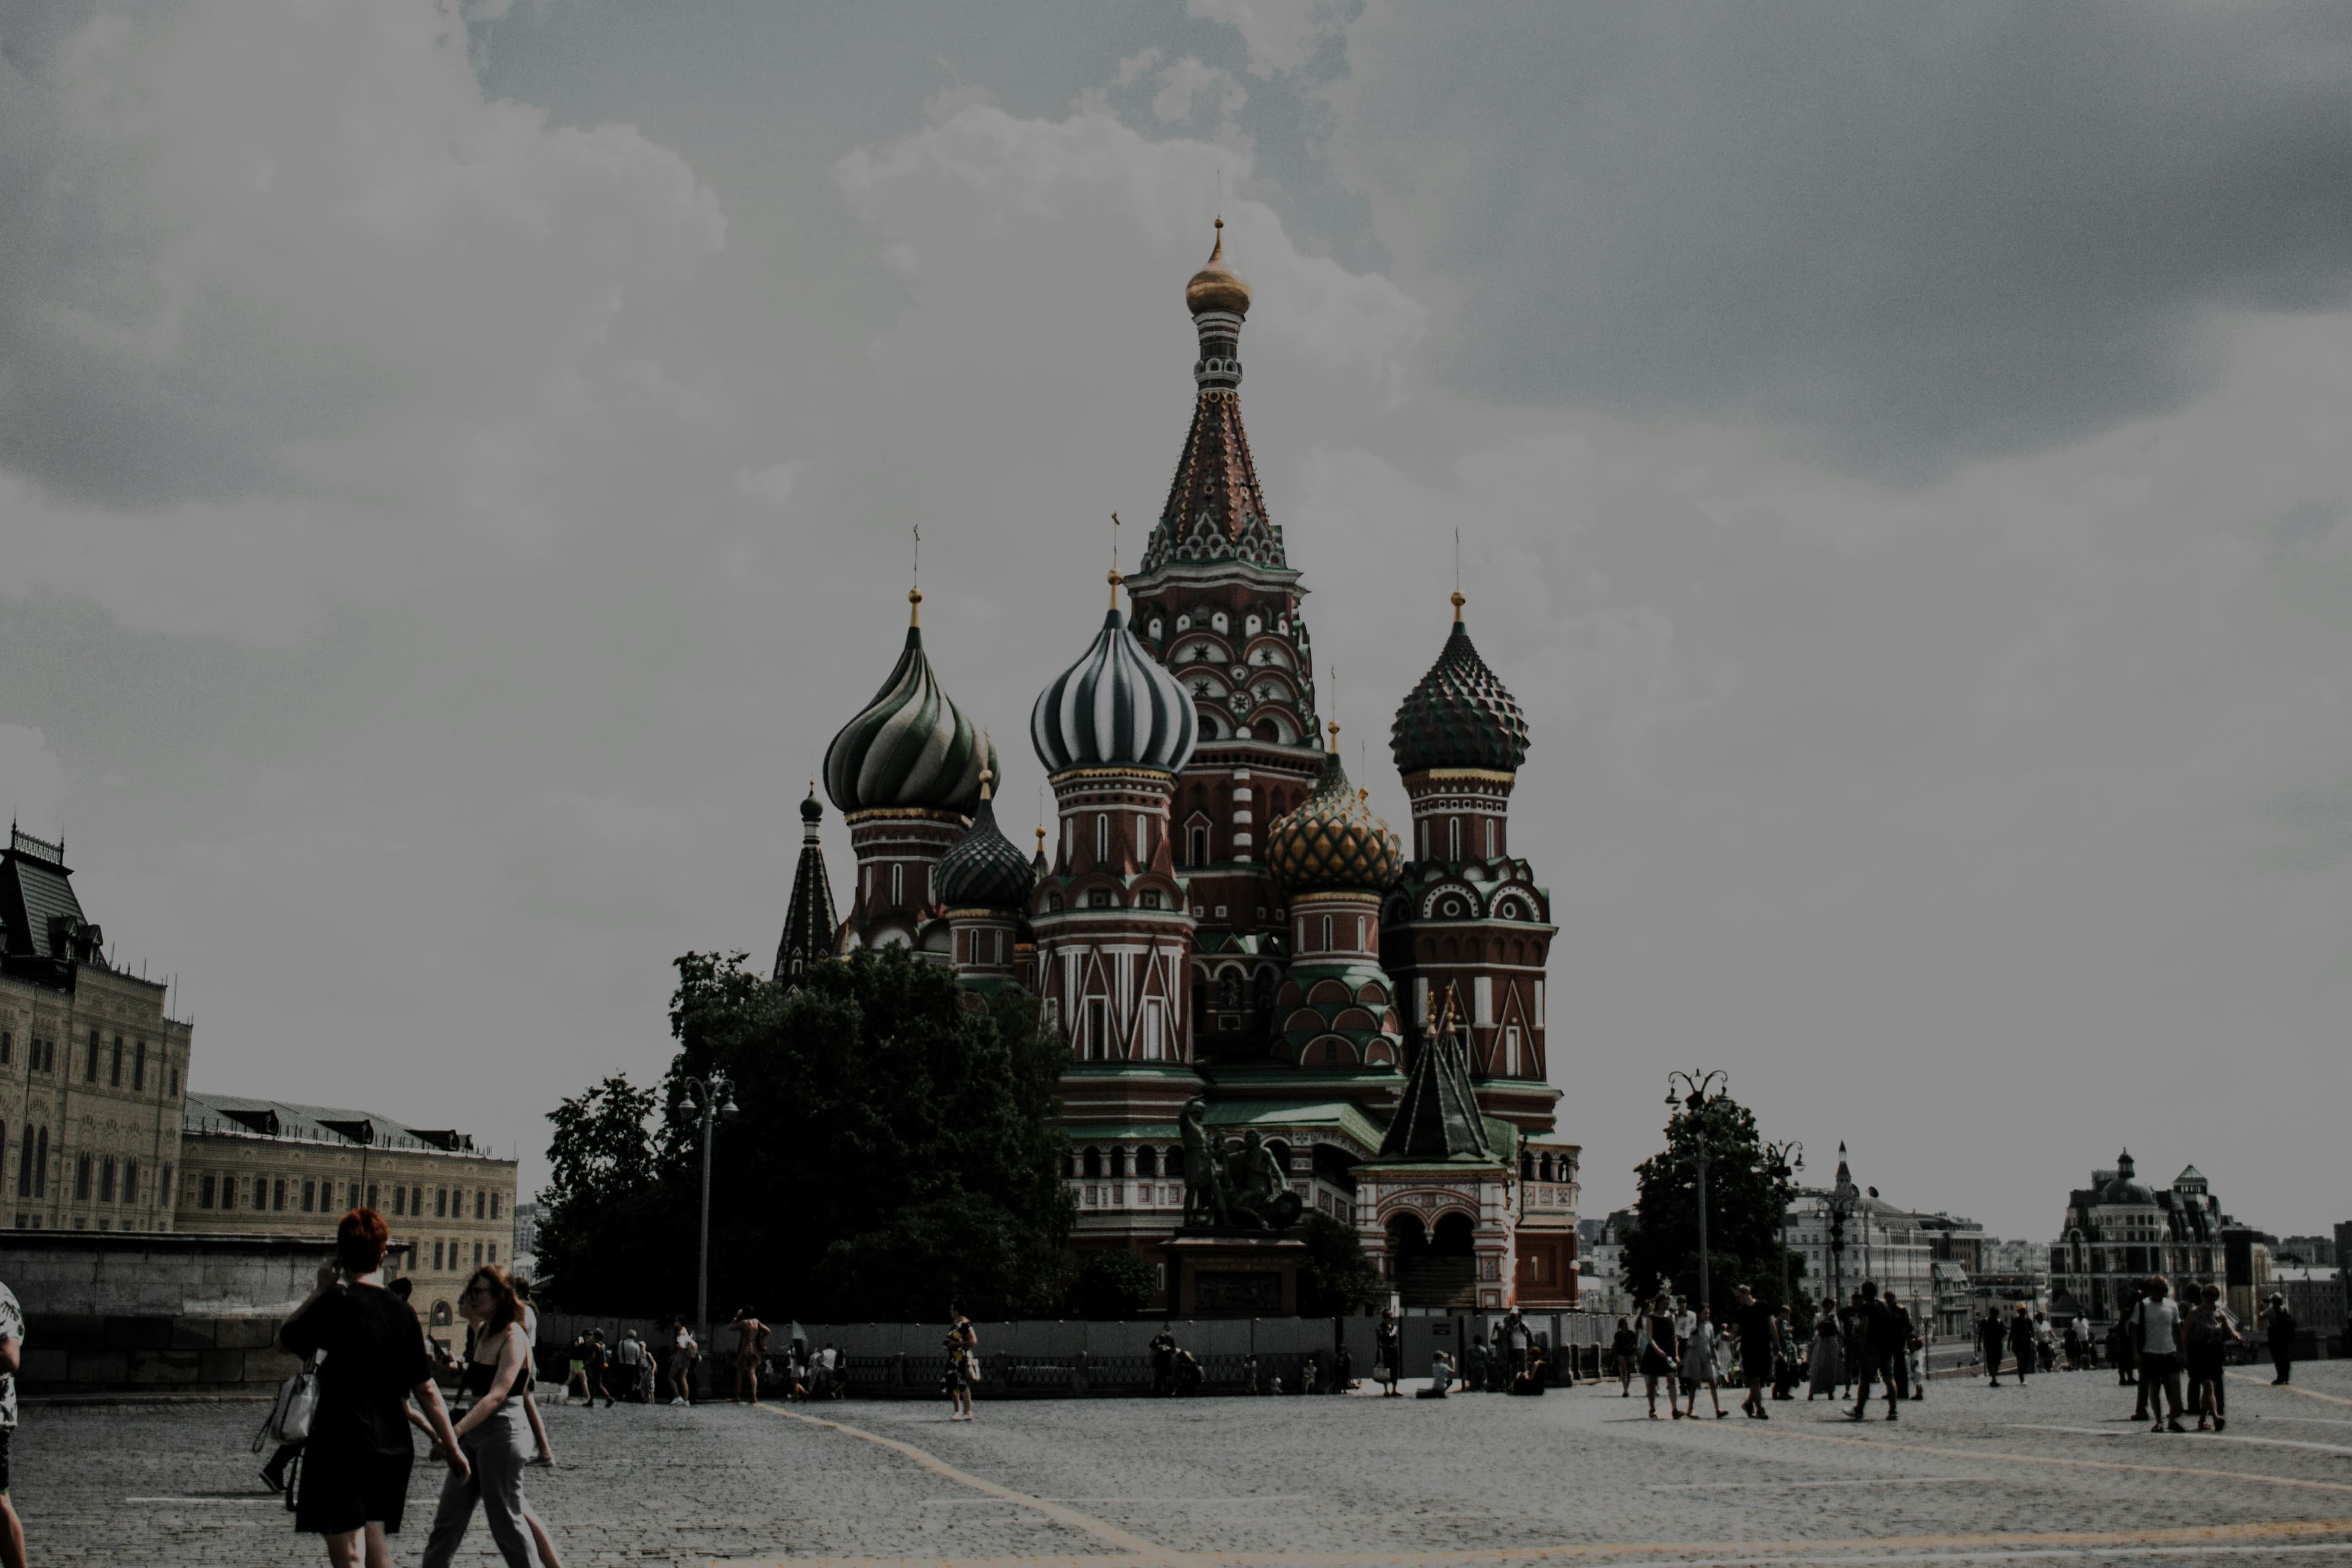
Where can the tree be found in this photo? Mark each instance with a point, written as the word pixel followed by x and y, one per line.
pixel 1745 1202
pixel 895 1151
pixel 1112 1285
pixel 1336 1278
pixel 598 1203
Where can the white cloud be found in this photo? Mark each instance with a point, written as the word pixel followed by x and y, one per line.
pixel 1189 79
pixel 287 260
pixel 1281 35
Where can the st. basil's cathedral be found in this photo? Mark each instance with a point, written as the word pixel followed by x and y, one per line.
pixel 1222 916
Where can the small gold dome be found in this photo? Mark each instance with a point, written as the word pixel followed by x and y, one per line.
pixel 1215 287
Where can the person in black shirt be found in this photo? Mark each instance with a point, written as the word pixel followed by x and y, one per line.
pixel 1760 1341
pixel 1991 1338
pixel 2281 1324
pixel 355 1475
pixel 1163 1360
pixel 1880 1345
pixel 1659 1354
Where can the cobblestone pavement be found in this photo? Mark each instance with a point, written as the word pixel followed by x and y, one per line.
pixel 2052 1471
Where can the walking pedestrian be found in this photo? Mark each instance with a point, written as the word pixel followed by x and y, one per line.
pixel 631 1354
pixel 751 1344
pixel 600 1361
pixel 1387 1346
pixel 1918 1356
pixel 2210 1333
pixel 683 1349
pixel 963 1364
pixel 1785 1367
pixel 1826 1369
pixel 1659 1354
pixel 2119 1353
pixel 493 1434
pixel 2021 1341
pixel 1990 1337
pixel 1759 1345
pixel 575 1370
pixel 1881 1346
pixel 1163 1360
pixel 1624 1348
pixel 1899 1331
pixel 2279 1326
pixel 12 1355
pixel 2156 1334
pixel 1856 1326
pixel 355 1479
pixel 1699 1365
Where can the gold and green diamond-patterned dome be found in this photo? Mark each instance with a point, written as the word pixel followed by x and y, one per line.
pixel 1333 841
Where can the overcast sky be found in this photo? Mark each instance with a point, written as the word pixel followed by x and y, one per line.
pixel 457 475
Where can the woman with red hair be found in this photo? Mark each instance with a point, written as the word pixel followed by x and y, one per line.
pixel 354 1474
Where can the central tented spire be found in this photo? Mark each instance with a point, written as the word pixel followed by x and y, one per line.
pixel 1215 510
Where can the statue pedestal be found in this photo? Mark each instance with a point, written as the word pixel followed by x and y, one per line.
pixel 1233 1274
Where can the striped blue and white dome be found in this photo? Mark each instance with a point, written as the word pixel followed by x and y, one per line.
pixel 1115 708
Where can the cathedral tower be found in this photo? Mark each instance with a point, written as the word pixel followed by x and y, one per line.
pixel 1219 606
pixel 1465 916
pixel 1334 859
pixel 906 773
pixel 985 887
pixel 809 922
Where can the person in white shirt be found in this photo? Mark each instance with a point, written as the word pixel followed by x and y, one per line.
pixel 2155 1333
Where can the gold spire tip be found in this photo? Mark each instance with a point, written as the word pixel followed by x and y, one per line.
pixel 1114 580
pixel 1334 727
pixel 915 606
pixel 1458 602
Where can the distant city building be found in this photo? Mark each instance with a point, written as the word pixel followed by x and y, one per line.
pixel 91 1065
pixel 264 1167
pixel 2313 1251
pixel 2118 1232
pixel 1879 1240
pixel 2314 1295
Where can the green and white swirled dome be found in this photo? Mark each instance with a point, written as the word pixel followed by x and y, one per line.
pixel 911 748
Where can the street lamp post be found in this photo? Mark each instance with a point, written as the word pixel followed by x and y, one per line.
pixel 716 1104
pixel 1841 1201
pixel 1782 1161
pixel 1698 1091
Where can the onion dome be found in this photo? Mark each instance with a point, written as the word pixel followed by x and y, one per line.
pixel 911 748
pixel 1215 287
pixel 982 869
pixel 1115 708
pixel 1460 715
pixel 810 810
pixel 1333 840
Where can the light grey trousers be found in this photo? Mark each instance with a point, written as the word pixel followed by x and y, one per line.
pixel 496 1449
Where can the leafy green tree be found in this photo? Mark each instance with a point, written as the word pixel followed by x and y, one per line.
pixel 1336 1278
pixel 1746 1199
pixel 599 1205
pixel 894 1152
pixel 1113 1285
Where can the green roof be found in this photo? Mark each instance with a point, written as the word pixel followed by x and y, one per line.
pixel 1337 1114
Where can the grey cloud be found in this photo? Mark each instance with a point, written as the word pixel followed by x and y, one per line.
pixel 1920 235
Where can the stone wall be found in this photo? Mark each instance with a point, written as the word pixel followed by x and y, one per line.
pixel 155 1313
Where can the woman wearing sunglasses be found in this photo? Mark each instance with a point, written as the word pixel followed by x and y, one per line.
pixel 493 1433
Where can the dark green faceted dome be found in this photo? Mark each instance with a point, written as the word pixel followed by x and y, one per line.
pixel 982 869
pixel 1460 715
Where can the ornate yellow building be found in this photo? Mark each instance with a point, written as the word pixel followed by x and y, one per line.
pixel 91 1069
pixel 263 1167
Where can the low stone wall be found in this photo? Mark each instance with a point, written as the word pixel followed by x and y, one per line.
pixel 155 1313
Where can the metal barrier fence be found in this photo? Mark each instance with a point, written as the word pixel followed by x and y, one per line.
pixel 1071 1358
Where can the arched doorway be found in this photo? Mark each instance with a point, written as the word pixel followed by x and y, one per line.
pixel 1408 1243
pixel 1443 1270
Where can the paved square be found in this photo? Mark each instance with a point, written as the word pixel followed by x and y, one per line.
pixel 2049 1472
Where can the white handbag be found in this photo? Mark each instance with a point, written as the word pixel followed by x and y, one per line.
pixel 288 1420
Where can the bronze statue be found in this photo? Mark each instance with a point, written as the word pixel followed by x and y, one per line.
pixel 1204 1195
pixel 1232 1187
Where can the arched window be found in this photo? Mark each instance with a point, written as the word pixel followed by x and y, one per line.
pixel 1359 934
pixel 1198 854
pixel 1092 1161
pixel 1097 1029
pixel 898 884
pixel 1490 838
pixel 1454 838
pixel 1119 1165
pixel 41 1167
pixel 1327 933
pixel 441 1314
pixel 1147 1162
pixel 1102 837
pixel 1229 991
